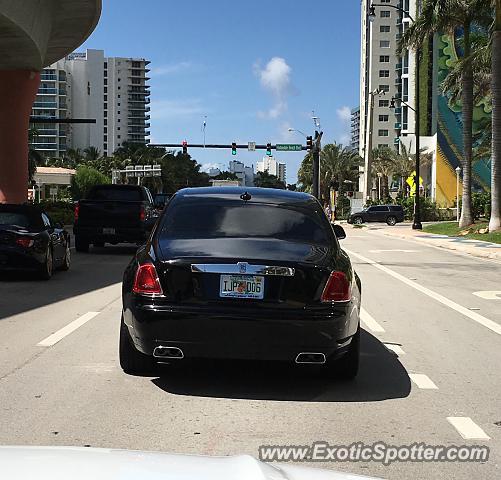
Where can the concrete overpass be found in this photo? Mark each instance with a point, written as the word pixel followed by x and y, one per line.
pixel 33 35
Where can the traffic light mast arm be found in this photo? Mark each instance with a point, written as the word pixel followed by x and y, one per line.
pixel 221 146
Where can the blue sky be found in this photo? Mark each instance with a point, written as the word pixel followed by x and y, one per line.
pixel 255 68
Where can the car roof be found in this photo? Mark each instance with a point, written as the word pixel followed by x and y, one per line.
pixel 259 195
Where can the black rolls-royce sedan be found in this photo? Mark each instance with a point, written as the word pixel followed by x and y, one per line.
pixel 30 241
pixel 242 273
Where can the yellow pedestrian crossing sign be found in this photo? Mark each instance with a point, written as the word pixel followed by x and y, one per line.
pixel 411 181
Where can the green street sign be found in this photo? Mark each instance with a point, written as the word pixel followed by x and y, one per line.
pixel 289 147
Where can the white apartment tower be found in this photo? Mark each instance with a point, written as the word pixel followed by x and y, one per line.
pixel 383 76
pixel 113 91
pixel 270 165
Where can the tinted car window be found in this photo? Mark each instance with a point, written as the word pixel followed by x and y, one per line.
pixel 379 208
pixel 396 208
pixel 213 220
pixel 13 218
pixel 117 194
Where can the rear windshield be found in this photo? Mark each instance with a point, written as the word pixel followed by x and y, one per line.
pixel 117 194
pixel 188 220
pixel 396 208
pixel 15 219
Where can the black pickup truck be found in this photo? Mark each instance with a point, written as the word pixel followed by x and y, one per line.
pixel 114 214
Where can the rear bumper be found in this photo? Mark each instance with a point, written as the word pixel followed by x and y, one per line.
pixel 244 334
pixel 122 234
pixel 14 259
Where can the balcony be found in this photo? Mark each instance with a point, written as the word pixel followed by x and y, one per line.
pixel 46 132
pixel 63 106
pixel 44 146
pixel 50 78
pixel 48 105
pixel 138 115
pixel 47 91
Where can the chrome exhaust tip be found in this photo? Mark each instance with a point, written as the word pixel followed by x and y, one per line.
pixel 168 353
pixel 311 358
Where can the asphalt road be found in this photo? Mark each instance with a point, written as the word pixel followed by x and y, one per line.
pixel 64 387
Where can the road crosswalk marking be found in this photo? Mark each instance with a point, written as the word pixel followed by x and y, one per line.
pixel 67 330
pixel 369 322
pixel 467 428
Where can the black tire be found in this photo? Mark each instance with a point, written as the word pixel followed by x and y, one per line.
pixel 391 220
pixel 346 367
pixel 358 220
pixel 48 266
pixel 81 245
pixel 67 259
pixel 98 244
pixel 132 361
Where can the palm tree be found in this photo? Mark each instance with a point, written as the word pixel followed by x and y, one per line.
pixel 495 221
pixel 448 16
pixel 91 154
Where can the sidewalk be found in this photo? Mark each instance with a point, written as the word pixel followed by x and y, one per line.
pixel 476 248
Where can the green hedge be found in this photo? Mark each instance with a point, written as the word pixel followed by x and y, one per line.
pixel 59 212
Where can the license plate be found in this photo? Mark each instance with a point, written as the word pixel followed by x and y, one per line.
pixel 108 231
pixel 242 286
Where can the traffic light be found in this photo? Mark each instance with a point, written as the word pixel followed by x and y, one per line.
pixel 268 149
pixel 309 143
pixel 185 147
pixel 233 148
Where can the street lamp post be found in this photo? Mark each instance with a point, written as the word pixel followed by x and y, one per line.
pixel 416 224
pixel 458 171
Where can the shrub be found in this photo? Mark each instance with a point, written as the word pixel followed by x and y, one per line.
pixel 84 180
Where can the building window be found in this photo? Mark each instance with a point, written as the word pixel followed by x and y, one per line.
pixel 118 120
pixel 383 145
pixel 118 128
pixel 118 104
pixel 384 44
pixel 105 129
pixel 384 118
pixel 384 28
pixel 105 146
pixel 385 1
pixel 384 58
pixel 383 133
pixel 105 121
pixel 384 88
pixel 106 106
pixel 119 87
pixel 106 98
pixel 118 136
pixel 118 95
pixel 118 112
pixel 105 138
pixel 105 89
pixel 384 73
pixel 119 79
pixel 384 103
pixel 106 81
pixel 385 13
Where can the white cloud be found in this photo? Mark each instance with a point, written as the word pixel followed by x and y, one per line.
pixel 275 77
pixel 207 166
pixel 344 115
pixel 162 109
pixel 171 69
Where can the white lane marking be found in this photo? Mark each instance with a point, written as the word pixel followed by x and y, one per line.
pixel 467 428
pixel 396 349
pixel 369 322
pixel 423 381
pixel 489 295
pixel 394 250
pixel 65 331
pixel 476 317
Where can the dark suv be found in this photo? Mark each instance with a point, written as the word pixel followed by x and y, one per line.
pixel 391 214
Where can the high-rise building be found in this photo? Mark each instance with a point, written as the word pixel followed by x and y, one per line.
pixel 355 129
pixel 270 165
pixel 113 91
pixel 245 174
pixel 384 76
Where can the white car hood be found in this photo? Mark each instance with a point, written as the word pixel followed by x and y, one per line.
pixel 63 463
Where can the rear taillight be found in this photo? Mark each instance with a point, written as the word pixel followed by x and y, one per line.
pixel 146 280
pixel 142 214
pixel 337 288
pixel 77 211
pixel 25 242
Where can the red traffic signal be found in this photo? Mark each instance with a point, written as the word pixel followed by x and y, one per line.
pixel 185 147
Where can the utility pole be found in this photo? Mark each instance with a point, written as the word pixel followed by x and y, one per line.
pixel 317 148
pixel 416 224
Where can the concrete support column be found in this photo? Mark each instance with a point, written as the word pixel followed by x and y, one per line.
pixel 19 89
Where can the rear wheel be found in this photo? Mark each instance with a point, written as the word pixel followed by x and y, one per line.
pixel 81 245
pixel 132 361
pixel 358 221
pixel 346 368
pixel 48 267
pixel 391 220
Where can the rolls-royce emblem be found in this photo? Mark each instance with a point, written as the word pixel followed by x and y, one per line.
pixel 242 267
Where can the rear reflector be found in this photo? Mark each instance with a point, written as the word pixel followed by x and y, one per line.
pixel 337 288
pixel 146 280
pixel 25 242
pixel 77 211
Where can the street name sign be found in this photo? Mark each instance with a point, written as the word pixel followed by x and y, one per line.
pixel 289 147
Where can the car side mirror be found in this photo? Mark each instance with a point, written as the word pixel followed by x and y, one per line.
pixel 339 231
